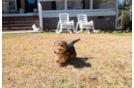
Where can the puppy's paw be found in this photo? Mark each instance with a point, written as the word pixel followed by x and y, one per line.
pixel 63 60
pixel 73 56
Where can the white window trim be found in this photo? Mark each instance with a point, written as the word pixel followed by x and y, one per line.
pixel 15 5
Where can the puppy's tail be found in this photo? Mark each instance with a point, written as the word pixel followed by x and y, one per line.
pixel 73 42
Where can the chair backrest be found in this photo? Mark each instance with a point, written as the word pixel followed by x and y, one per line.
pixel 5 6
pixel 64 17
pixel 82 18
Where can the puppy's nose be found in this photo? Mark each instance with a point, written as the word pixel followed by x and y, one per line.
pixel 58 61
pixel 59 49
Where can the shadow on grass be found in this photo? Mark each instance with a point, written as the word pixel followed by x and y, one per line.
pixel 79 62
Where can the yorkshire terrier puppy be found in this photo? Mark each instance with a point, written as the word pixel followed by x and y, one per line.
pixel 64 51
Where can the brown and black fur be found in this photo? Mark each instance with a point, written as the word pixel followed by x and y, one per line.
pixel 64 51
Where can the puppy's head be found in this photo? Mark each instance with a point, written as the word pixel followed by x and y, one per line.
pixel 60 46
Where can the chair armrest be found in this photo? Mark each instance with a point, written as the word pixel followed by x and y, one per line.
pixel 90 22
pixel 59 22
pixel 79 22
pixel 72 22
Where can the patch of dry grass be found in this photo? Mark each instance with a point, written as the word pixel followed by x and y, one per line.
pixel 102 61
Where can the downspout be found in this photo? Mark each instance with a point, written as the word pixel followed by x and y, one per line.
pixel 117 14
pixel 40 14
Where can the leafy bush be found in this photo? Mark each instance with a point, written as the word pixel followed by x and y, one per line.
pixel 124 20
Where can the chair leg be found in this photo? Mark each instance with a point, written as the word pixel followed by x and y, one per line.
pixel 57 31
pixel 74 30
pixel 80 30
pixel 88 31
pixel 69 31
pixel 60 30
pixel 94 29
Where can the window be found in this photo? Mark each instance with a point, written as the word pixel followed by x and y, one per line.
pixel 11 4
pixel 53 5
pixel 104 4
pixel 78 4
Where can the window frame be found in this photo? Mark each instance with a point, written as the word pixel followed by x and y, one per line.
pixel 105 9
pixel 53 10
pixel 12 5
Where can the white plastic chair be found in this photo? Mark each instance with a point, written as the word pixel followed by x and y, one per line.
pixel 64 23
pixel 84 24
pixel 5 7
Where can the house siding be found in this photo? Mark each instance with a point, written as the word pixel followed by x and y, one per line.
pixel 99 22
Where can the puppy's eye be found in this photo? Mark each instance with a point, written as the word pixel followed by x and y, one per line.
pixel 62 46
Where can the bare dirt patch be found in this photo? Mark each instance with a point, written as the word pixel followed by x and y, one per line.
pixel 102 61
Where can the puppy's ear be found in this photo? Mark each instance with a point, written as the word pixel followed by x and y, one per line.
pixel 64 42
